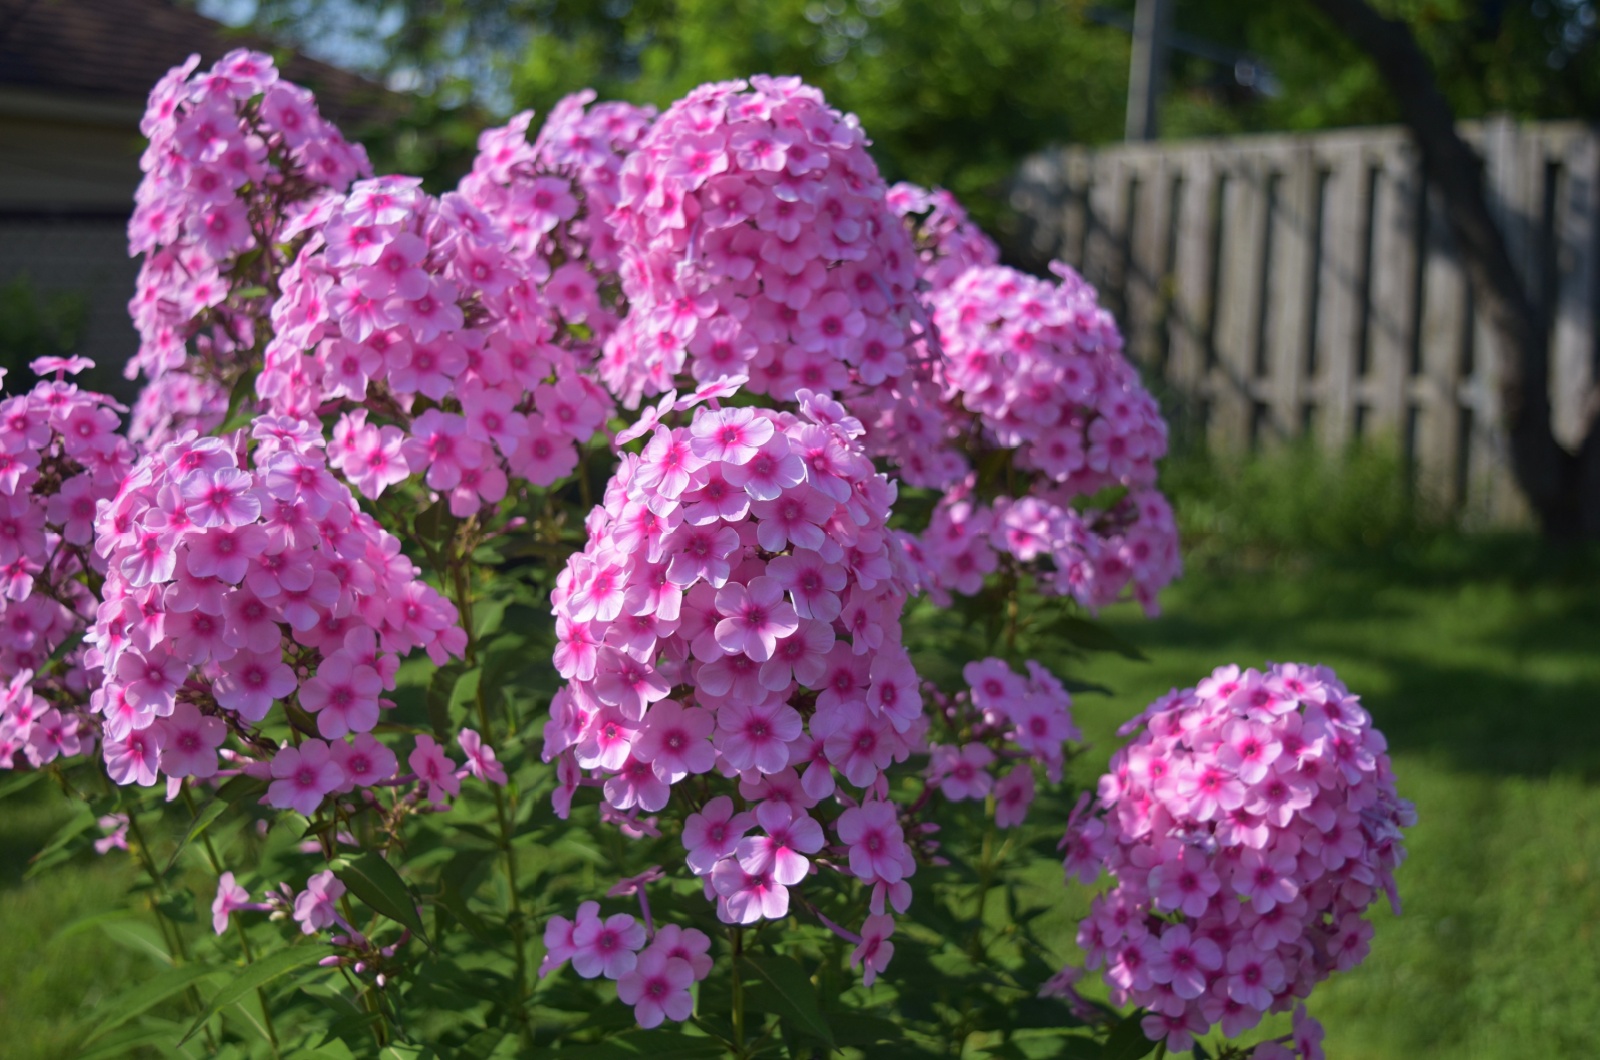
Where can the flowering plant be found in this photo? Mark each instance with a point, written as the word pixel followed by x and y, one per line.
pixel 634 567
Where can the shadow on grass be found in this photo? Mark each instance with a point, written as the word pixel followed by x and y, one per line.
pixel 1482 651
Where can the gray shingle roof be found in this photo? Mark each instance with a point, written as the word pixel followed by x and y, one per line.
pixel 115 50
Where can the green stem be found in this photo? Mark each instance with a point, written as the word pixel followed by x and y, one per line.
pixel 514 914
pixel 238 925
pixel 170 932
pixel 738 992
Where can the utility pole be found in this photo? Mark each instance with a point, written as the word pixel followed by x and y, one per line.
pixel 1152 21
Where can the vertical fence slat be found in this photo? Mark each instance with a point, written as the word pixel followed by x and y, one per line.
pixel 1191 281
pixel 1284 284
pixel 1488 467
pixel 1291 289
pixel 1075 178
pixel 1573 338
pixel 1443 336
pixel 1102 247
pixel 1341 284
pixel 1238 308
pixel 1147 265
pixel 1394 250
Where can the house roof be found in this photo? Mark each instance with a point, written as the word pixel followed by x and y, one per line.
pixel 113 51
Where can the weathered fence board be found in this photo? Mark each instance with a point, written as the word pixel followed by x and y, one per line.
pixel 1294 285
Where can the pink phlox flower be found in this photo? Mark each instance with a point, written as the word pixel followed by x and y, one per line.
pixel 658 988
pixel 364 761
pixel 189 742
pixel 872 956
pixel 780 852
pixel 756 617
pixel 115 826
pixel 224 497
pixel 231 897
pixel 757 735
pixel 315 908
pixel 302 776
pixel 1184 884
pixel 1248 749
pixel 962 772
pixel 628 684
pixel 1254 977
pixel 558 937
pixel 687 944
pixel 1184 960
pixel 1013 795
pixel 434 769
pixel 1308 1035
pixel 1267 878
pixel 343 695
pixel 873 834
pixel 133 758
pixel 481 760
pixel 745 897
pixel 714 833
pixel 606 947
pixel 250 682
pixel 676 740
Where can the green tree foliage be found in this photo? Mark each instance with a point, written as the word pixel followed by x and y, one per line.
pixel 1531 58
pixel 955 92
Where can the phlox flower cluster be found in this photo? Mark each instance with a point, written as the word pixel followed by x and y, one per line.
pixel 176 402
pixel 237 581
pixel 946 240
pixel 1002 726
pixel 1093 555
pixel 1246 830
pixel 736 614
pixel 235 154
pixel 409 314
pixel 1031 371
pixel 60 454
pixel 553 200
pixel 756 240
pixel 653 967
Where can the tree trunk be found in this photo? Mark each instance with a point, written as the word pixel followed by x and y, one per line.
pixel 1562 488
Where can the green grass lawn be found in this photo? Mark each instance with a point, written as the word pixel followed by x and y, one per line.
pixel 1481 661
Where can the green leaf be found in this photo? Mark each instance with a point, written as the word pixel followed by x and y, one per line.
pixel 62 649
pixel 254 975
pixel 1077 1047
pixel 794 998
pixel 202 820
pixel 1092 636
pixel 244 389
pixel 139 935
pixel 13 784
pixel 121 1046
pixel 861 1030
pixel 148 995
pixel 441 690
pixel 178 907
pixel 1128 1041
pixel 375 882
pixel 61 846
pixel 241 788
pixel 405 1051
pixel 658 1045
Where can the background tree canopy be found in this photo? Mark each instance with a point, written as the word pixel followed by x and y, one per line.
pixel 953 92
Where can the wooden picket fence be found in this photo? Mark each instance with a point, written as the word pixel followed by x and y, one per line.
pixel 1289 285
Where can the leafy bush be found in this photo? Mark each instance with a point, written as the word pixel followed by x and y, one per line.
pixel 288 642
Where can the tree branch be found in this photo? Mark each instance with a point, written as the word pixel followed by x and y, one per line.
pixel 1547 474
